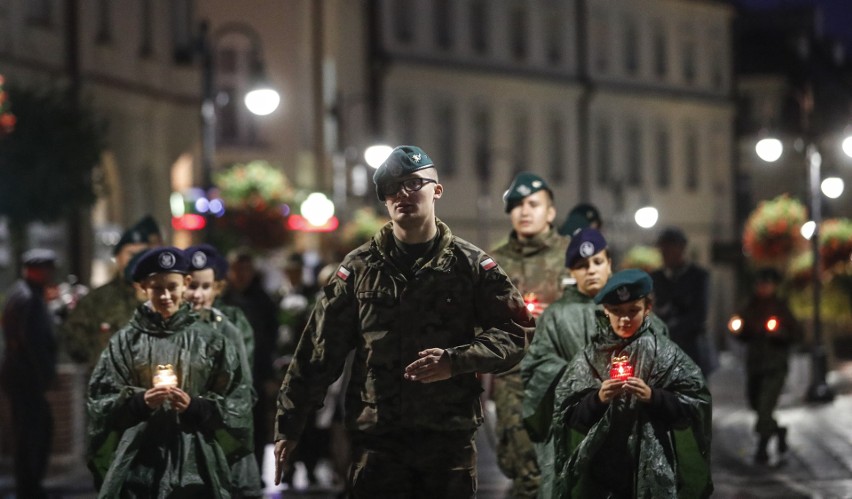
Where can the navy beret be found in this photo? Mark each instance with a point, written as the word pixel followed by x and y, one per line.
pixel 165 259
pixel 38 257
pixel 402 161
pixel 205 256
pixel 143 231
pixel 523 185
pixel 581 216
pixel 585 243
pixel 625 286
pixel 131 265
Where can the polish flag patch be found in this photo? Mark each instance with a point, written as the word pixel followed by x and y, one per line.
pixel 343 273
pixel 488 264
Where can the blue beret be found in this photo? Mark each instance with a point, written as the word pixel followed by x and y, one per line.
pixel 38 257
pixel 581 216
pixel 625 286
pixel 159 260
pixel 131 265
pixel 523 185
pixel 402 161
pixel 584 244
pixel 143 231
pixel 205 256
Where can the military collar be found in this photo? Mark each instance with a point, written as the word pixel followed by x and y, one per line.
pixel 383 242
pixel 535 244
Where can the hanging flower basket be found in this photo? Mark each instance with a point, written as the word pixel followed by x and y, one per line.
pixel 364 223
pixel 646 258
pixel 835 242
pixel 772 231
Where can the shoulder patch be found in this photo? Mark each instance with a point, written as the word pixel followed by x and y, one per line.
pixel 343 273
pixel 488 264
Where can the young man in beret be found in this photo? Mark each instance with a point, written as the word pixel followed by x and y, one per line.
pixel 29 367
pixel 581 216
pixel 167 439
pixel 635 413
pixel 105 309
pixel 424 311
pixel 533 258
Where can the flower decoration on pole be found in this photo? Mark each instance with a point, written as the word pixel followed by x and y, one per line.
pixel 772 231
pixel 256 196
pixel 363 224
pixel 7 119
pixel 835 242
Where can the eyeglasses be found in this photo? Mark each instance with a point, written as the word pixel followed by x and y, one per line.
pixel 410 185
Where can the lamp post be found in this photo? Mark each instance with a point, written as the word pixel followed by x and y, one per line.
pixel 261 99
pixel 770 150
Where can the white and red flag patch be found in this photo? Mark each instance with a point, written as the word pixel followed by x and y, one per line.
pixel 343 273
pixel 488 264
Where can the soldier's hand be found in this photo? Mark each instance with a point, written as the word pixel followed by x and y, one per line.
pixel 156 397
pixel 433 365
pixel 609 390
pixel 283 449
pixel 180 400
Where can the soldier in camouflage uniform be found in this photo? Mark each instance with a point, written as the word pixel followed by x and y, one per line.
pixel 108 308
pixel 424 311
pixel 533 258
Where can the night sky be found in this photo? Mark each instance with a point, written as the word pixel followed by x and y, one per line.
pixel 837 14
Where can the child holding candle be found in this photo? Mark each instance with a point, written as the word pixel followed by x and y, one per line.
pixel 166 441
pixel 640 435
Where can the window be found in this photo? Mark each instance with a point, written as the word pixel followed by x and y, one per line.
pixel 663 158
pixel 183 38
pixel 518 31
pixel 39 12
pixel 661 61
pixel 689 55
pixel 234 123
pixel 693 159
pixel 403 20
pixel 634 163
pixel 604 156
pixel 482 144
pixel 631 46
pixel 404 110
pixel 104 34
pixel 554 32
pixel 600 35
pixel 443 24
pixel 556 157
pixel 445 126
pixel 520 145
pixel 146 34
pixel 478 26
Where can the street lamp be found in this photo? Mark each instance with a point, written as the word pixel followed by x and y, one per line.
pixel 261 99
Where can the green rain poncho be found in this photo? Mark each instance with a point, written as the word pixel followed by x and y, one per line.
pixel 647 450
pixel 134 452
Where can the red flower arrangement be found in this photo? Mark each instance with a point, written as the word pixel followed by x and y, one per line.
pixel 835 242
pixel 772 231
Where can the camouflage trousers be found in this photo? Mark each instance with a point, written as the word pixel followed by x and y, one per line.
pixel 413 464
pixel 515 452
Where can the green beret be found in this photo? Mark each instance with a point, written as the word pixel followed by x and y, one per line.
pixel 581 216
pixel 524 184
pixel 401 162
pixel 142 231
pixel 625 286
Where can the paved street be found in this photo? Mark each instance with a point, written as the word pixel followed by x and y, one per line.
pixel 818 465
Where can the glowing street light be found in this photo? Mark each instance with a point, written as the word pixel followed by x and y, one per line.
pixel 646 217
pixel 377 154
pixel 769 149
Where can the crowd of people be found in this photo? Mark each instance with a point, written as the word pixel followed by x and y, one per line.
pixel 598 377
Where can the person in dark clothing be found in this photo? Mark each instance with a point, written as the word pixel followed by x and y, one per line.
pixel 245 291
pixel 28 370
pixel 768 328
pixel 681 299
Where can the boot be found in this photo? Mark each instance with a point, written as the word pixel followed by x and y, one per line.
pixel 762 456
pixel 781 433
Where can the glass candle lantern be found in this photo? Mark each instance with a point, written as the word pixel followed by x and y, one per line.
pixel 165 376
pixel 620 369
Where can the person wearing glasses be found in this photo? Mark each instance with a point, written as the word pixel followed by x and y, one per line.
pixel 424 312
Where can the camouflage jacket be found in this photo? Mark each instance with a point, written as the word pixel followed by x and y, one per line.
pixel 99 314
pixel 536 267
pixel 458 300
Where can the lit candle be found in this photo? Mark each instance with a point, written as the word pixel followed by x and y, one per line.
pixel 165 376
pixel 620 369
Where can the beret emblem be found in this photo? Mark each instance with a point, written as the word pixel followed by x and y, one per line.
pixel 199 259
pixel 623 293
pixel 167 260
pixel 587 249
